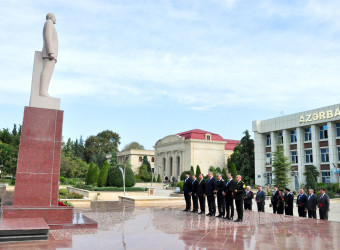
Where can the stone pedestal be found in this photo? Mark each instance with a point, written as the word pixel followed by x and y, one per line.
pixel 37 179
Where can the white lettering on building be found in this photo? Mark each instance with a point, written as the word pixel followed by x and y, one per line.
pixel 320 116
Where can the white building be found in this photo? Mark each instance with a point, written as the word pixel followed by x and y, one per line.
pixel 177 153
pixel 135 157
pixel 309 138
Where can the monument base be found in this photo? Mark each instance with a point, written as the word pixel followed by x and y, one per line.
pixel 52 215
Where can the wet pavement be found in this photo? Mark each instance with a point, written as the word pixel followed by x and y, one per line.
pixel 123 226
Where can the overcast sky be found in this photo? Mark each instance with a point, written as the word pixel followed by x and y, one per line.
pixel 147 69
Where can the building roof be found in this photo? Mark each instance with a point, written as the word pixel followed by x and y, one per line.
pixel 200 135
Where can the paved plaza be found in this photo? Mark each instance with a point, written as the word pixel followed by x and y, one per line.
pixel 122 226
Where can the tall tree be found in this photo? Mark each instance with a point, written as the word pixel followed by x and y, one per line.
pixel 106 141
pixel 133 145
pixel 233 170
pixel 147 163
pixel 281 168
pixel 198 171
pixel 114 159
pixel 311 174
pixel 247 158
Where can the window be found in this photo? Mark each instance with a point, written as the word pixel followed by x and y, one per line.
pixel 309 156
pixel 323 132
pixel 140 158
pixel 293 137
pixel 308 134
pixel 280 138
pixel 338 154
pixel 324 155
pixel 208 137
pixel 153 159
pixel 294 157
pixel 269 178
pixel 326 176
pixel 338 129
pixel 269 141
pixel 269 159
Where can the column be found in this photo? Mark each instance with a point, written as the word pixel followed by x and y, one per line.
pixel 260 158
pixel 333 152
pixel 301 155
pixel 286 143
pixel 316 148
pixel 273 138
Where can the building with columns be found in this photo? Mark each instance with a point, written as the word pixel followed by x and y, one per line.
pixel 135 157
pixel 177 153
pixel 309 138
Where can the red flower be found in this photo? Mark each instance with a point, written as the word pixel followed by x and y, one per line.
pixel 61 204
pixel 320 205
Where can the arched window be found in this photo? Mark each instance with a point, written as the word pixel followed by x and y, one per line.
pixel 140 158
pixel 153 159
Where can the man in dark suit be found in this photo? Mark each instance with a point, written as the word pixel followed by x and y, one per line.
pixel 248 199
pixel 201 193
pixel 260 199
pixel 301 203
pixel 289 200
pixel 220 197
pixel 187 191
pixel 274 199
pixel 312 202
pixel 211 190
pixel 194 194
pixel 323 205
pixel 229 196
pixel 239 197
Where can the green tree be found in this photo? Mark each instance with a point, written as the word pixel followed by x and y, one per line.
pixel 218 170
pixel 224 174
pixel 106 141
pixel 144 174
pixel 159 178
pixel 147 163
pixel 198 170
pixel 89 174
pixel 281 168
pixel 67 149
pixel 95 175
pixel 133 145
pixel 115 178
pixel 99 158
pixel 104 171
pixel 233 170
pixel 114 159
pixel 247 158
pixel 192 170
pixel 311 174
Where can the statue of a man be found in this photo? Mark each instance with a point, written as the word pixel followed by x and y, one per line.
pixel 49 53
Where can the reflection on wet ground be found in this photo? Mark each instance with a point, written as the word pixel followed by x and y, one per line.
pixel 127 227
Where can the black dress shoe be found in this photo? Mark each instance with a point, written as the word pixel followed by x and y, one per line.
pixel 209 214
pixel 219 216
pixel 231 218
pixel 226 218
pixel 185 210
pixel 194 211
pixel 237 220
pixel 212 214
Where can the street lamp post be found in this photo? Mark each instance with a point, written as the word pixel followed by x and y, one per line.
pixel 152 175
pixel 124 171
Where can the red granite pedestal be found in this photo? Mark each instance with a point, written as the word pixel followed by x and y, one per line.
pixel 37 178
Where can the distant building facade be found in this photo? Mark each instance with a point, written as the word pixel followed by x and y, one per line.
pixel 135 157
pixel 308 138
pixel 177 153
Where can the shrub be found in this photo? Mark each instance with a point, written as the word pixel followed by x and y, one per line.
pixel 89 174
pixel 63 191
pixel 144 174
pixel 62 179
pixel 159 178
pixel 224 174
pixel 198 171
pixel 104 171
pixel 74 196
pixel 180 185
pixel 13 182
pixel 269 193
pixel 294 192
pixel 182 178
pixel 141 189
pixel 115 178
pixel 95 175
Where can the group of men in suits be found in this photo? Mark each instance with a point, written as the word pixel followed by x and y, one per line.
pixel 224 191
pixel 282 202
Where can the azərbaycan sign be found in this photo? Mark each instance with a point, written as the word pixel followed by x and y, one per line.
pixel 320 116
